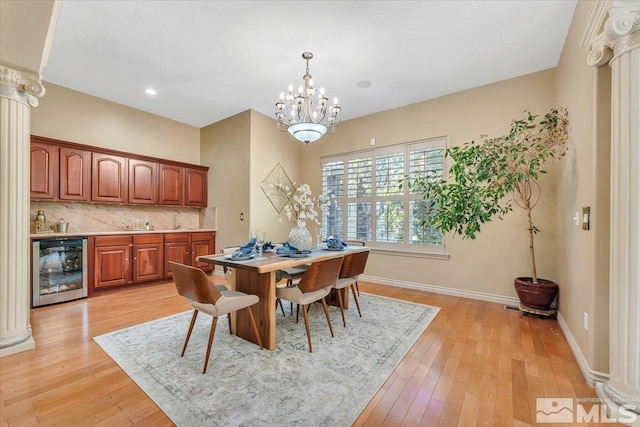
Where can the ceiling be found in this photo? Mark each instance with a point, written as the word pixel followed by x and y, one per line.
pixel 209 60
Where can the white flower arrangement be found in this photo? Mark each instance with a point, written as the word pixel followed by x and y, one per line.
pixel 302 206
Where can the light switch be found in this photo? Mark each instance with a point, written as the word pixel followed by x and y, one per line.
pixel 586 214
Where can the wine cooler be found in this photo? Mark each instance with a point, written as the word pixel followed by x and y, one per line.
pixel 59 270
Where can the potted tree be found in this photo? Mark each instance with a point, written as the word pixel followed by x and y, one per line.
pixel 485 174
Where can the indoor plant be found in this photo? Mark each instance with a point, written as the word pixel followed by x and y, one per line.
pixel 483 174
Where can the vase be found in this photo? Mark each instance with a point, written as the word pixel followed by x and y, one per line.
pixel 299 236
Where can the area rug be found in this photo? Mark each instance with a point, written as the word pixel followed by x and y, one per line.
pixel 245 386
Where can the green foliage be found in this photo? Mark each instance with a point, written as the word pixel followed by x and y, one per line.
pixel 483 174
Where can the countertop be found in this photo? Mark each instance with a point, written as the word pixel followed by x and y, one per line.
pixel 38 236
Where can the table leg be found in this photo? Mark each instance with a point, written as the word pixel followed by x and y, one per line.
pixel 262 285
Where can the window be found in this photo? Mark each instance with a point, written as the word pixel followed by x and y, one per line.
pixel 371 205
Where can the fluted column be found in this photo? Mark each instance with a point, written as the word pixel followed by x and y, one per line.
pixel 619 44
pixel 18 93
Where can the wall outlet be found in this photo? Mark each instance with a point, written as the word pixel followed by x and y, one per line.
pixel 586 321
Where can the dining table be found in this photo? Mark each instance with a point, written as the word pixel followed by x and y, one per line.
pixel 257 276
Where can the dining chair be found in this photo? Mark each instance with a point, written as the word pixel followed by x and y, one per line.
pixel 355 243
pixel 315 285
pixel 352 267
pixel 290 274
pixel 194 284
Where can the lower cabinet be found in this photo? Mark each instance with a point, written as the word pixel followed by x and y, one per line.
pixel 127 259
pixel 112 261
pixel 148 257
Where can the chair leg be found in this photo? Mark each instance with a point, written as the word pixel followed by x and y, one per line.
pixel 326 313
pixel 255 327
pixel 358 289
pixel 355 297
pixel 339 292
pixel 193 322
pixel 279 303
pixel 297 312
pixel 306 325
pixel 214 322
pixel 229 320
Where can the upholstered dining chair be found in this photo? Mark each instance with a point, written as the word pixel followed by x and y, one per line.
pixel 352 267
pixel 355 243
pixel 290 274
pixel 194 284
pixel 315 285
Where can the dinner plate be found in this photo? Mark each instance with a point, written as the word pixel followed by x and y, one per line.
pixel 333 249
pixel 241 258
pixel 299 255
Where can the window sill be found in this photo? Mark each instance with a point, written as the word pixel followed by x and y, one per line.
pixel 429 255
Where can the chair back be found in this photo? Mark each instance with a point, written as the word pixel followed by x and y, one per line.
pixel 354 264
pixel 321 274
pixel 354 242
pixel 194 284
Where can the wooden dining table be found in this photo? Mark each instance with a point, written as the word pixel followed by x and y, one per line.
pixel 257 276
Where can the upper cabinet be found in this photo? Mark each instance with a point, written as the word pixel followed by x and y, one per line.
pixel 75 174
pixel 143 182
pixel 108 178
pixel 195 187
pixel 63 170
pixel 171 185
pixel 44 171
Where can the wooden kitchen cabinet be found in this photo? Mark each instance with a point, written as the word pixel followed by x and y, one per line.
pixel 108 178
pixel 75 174
pixel 195 187
pixel 171 185
pixel 143 182
pixel 202 243
pixel 44 171
pixel 176 248
pixel 148 255
pixel 112 261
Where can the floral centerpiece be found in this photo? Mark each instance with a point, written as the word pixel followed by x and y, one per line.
pixel 300 208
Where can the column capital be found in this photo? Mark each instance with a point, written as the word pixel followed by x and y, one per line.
pixel 623 20
pixel 20 86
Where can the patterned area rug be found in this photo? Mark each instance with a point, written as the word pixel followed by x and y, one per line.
pixel 244 386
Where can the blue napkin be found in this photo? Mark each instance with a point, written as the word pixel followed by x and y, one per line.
pixel 247 249
pixel 288 249
pixel 335 243
pixel 268 245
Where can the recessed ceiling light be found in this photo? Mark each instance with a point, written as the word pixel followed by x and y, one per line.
pixel 363 84
pixel 150 91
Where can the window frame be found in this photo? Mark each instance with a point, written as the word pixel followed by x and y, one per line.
pixel 405 197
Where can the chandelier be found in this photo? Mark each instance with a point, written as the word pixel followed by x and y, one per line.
pixel 303 116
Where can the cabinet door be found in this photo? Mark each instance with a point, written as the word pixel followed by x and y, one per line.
pixel 176 252
pixel 44 171
pixel 112 266
pixel 109 178
pixel 195 187
pixel 75 174
pixel 171 185
pixel 143 182
pixel 147 262
pixel 206 247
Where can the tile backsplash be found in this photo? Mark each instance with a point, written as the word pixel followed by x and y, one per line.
pixel 104 217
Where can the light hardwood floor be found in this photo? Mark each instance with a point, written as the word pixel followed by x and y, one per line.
pixel 476 364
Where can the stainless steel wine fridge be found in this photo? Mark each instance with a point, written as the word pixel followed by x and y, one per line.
pixel 59 270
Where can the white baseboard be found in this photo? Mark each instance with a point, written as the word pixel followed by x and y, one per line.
pixel 592 376
pixel 500 299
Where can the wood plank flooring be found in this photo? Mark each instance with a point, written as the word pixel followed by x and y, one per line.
pixel 476 364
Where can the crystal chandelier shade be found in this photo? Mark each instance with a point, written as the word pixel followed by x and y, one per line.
pixel 304 115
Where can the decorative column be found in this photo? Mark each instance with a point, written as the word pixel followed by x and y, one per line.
pixel 18 93
pixel 619 44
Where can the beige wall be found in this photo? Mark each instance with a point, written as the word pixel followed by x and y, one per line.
pixel 583 180
pixel 269 146
pixel 76 117
pixel 225 148
pixel 489 264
